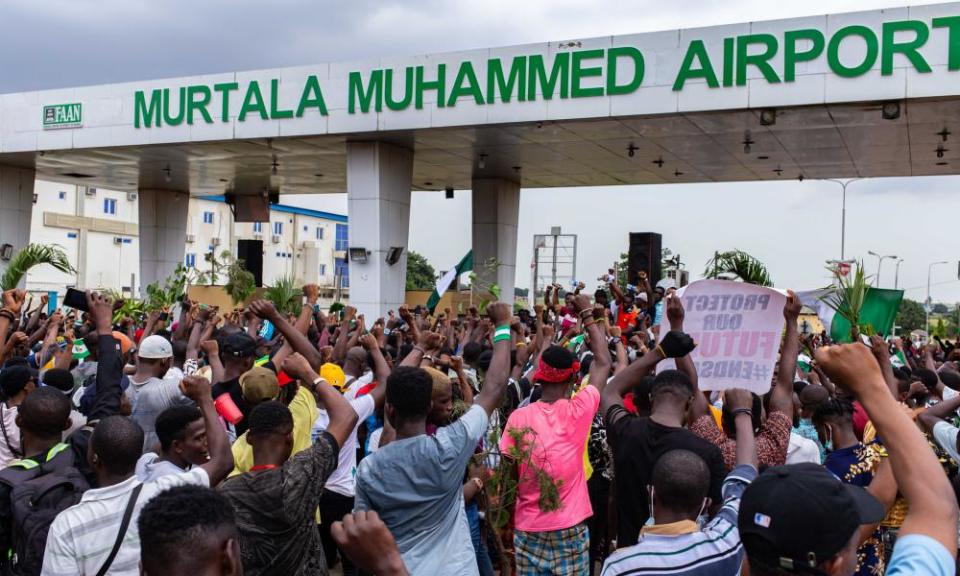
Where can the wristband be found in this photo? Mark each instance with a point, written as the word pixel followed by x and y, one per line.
pixel 584 314
pixel 740 411
pixel 501 336
pixel 419 349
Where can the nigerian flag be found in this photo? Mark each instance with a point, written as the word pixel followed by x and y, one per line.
pixel 878 312
pixel 465 265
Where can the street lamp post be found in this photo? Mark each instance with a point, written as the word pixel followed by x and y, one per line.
pixel 896 274
pixel 880 260
pixel 843 216
pixel 928 304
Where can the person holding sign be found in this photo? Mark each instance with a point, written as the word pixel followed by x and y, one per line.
pixel 772 432
pixel 638 442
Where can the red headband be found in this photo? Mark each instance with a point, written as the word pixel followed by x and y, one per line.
pixel 550 375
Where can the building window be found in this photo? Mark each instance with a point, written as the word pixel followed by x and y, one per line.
pixel 341 243
pixel 208 217
pixel 343 271
pixel 278 228
pixel 258 227
pixel 62 195
pixel 71 234
pixel 304 228
pixel 109 206
pixel 323 269
pixel 319 233
pixel 190 261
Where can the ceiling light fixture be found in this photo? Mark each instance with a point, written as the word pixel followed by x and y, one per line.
pixel 659 162
pixel 632 150
pixel 890 110
pixel 943 134
pixel 779 171
pixel 167 174
pixel 482 162
pixel 768 117
pixel 274 166
pixel 747 142
pixel 941 150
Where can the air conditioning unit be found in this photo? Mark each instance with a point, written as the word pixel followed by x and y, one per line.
pixel 90 191
pixel 275 238
pixel 131 196
pixel 214 241
pixel 117 240
pixel 191 238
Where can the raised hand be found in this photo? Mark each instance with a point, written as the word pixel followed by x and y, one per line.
pixel 312 292
pixel 368 341
pixel 676 344
pixel 297 366
pixel 791 309
pixel 210 347
pixel 264 309
pixel 675 312
pixel 13 300
pixel 852 366
pixel 738 399
pixel 196 388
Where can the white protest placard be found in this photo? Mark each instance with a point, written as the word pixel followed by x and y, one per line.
pixel 737 328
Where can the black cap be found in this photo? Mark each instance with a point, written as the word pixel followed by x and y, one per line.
pixel 14 379
pixel 795 517
pixel 240 345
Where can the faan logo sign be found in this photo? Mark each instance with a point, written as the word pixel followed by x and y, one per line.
pixel 63 116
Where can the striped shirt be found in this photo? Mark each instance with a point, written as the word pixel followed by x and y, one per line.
pixel 714 550
pixel 82 536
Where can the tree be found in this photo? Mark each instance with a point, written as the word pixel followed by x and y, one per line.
pixel 34 255
pixel 738 265
pixel 940 329
pixel 940 308
pixel 910 316
pixel 420 273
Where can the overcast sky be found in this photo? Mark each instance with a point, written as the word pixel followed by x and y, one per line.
pixel 793 227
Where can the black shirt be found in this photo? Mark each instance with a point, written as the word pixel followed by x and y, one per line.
pixel 637 443
pixel 232 387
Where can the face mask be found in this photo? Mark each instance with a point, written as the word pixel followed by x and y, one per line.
pixel 701 518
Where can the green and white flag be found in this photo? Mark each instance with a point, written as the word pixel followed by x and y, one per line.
pixel 443 284
pixel 878 312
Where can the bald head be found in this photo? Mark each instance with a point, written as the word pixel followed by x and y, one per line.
pixel 812 396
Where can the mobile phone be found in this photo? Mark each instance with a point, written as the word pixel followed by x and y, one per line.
pixel 76 299
pixel 164 316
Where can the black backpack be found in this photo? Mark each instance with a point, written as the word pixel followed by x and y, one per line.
pixel 38 492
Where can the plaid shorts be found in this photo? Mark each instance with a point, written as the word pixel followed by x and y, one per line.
pixel 554 553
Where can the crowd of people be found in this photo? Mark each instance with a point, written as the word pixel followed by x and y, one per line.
pixel 427 442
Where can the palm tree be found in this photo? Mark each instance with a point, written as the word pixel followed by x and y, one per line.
pixel 285 295
pixel 738 265
pixel 34 255
pixel 847 295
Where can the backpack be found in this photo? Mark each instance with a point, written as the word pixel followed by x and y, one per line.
pixel 38 492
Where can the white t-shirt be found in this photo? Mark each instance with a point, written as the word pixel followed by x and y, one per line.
pixel 357 384
pixel 12 435
pixel 343 481
pixel 150 467
pixel 82 536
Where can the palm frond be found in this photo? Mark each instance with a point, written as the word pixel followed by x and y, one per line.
pixel 738 265
pixel 241 283
pixel 34 255
pixel 847 295
pixel 285 295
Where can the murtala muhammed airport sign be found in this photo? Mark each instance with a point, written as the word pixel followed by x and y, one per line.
pixel 575 73
pixel 870 56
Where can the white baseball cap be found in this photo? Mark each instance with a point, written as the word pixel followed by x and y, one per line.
pixel 155 348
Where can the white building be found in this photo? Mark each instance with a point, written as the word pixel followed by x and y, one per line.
pixel 99 231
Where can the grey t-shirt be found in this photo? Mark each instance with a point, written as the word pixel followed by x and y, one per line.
pixel 416 486
pixel 148 399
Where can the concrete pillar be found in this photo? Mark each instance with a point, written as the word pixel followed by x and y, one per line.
pixel 16 208
pixel 379 177
pixel 496 211
pixel 163 233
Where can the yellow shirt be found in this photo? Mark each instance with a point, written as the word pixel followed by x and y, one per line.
pixel 304 411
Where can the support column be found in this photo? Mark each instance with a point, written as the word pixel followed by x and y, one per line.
pixel 163 233
pixel 496 212
pixel 379 176
pixel 16 208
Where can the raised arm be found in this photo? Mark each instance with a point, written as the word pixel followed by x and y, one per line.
pixel 600 367
pixel 221 457
pixel 10 314
pixel 343 335
pixel 212 350
pixel 882 353
pixel 343 418
pixel 675 316
pixel 381 371
pixel 456 362
pixel 299 342
pixel 496 380
pixel 920 478
pixel 106 400
pixel 782 397
pixel 741 406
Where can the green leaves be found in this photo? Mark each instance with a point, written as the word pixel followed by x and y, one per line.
pixel 34 255
pixel 160 297
pixel 847 296
pixel 241 283
pixel 738 265
pixel 285 295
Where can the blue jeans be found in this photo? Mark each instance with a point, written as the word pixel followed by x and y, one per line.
pixel 479 547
